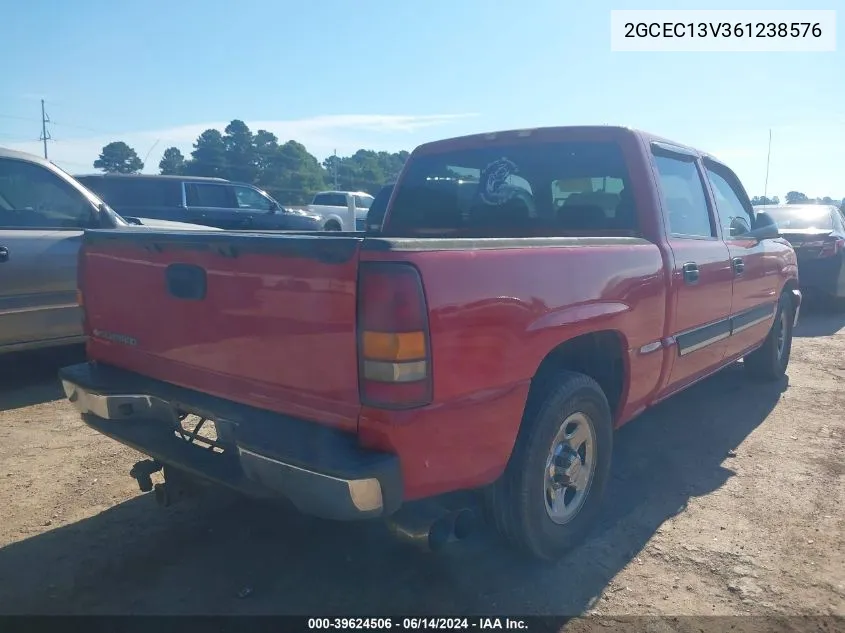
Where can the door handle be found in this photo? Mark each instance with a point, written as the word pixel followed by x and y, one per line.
pixel 691 273
pixel 738 265
pixel 4 254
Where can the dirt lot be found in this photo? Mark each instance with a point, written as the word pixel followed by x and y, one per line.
pixel 725 500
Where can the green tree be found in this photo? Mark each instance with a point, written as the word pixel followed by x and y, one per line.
pixel 266 149
pixel 288 171
pixel 297 175
pixel 365 170
pixel 209 156
pixel 758 200
pixel 118 158
pixel 795 197
pixel 240 152
pixel 172 163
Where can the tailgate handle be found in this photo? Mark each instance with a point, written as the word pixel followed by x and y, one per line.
pixel 186 281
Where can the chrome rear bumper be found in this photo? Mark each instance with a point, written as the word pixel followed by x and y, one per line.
pixel 271 457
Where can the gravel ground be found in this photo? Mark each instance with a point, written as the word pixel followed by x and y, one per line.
pixel 725 500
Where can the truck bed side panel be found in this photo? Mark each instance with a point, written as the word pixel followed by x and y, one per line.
pixel 495 314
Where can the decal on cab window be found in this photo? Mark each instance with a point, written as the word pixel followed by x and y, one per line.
pixel 494 178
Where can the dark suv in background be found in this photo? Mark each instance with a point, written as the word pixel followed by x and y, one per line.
pixel 208 201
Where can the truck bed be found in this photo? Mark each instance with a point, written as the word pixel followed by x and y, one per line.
pixel 275 327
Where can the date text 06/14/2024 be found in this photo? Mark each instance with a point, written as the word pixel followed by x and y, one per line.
pixel 723 31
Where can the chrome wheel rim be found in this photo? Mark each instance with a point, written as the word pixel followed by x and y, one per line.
pixel 570 468
pixel 781 335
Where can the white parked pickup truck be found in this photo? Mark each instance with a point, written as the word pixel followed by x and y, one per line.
pixel 342 210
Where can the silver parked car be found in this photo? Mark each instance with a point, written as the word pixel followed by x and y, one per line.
pixel 43 215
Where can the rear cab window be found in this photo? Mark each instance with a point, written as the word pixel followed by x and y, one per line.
pixel 525 189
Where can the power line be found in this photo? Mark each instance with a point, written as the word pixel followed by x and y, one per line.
pixel 45 135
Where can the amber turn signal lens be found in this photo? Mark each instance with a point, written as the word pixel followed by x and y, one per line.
pixel 392 346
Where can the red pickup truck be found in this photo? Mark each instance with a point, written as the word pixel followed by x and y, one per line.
pixel 528 292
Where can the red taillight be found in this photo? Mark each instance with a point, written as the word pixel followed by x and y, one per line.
pixel 393 337
pixel 831 246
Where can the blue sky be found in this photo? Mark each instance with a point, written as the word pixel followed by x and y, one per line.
pixel 383 74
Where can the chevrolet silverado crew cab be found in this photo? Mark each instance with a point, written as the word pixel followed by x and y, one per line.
pixel 529 292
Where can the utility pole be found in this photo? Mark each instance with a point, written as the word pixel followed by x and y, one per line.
pixel 334 163
pixel 45 135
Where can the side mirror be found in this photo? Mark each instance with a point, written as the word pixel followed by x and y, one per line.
pixel 765 228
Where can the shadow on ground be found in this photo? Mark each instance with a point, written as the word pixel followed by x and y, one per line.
pixel 28 378
pixel 819 318
pixel 234 557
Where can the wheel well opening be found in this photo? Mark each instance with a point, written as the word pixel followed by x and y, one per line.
pixel 790 285
pixel 598 355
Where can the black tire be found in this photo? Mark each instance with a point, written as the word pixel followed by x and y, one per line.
pixel 517 503
pixel 331 226
pixel 769 362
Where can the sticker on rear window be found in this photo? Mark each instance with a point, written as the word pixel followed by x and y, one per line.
pixel 494 178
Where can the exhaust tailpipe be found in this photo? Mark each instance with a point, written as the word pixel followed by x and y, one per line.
pixel 425 527
pixel 429 526
pixel 464 523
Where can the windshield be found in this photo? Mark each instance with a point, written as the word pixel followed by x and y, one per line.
pixel 801 218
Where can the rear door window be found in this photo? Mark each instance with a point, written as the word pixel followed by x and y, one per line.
pixel 524 189
pixel 127 191
pixel 203 195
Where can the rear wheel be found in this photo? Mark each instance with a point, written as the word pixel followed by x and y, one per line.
pixel 550 493
pixel 769 362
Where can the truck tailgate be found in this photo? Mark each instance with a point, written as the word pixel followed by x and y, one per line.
pixel 267 320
